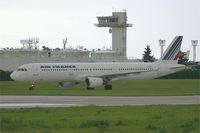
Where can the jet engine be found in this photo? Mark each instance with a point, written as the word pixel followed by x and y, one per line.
pixel 93 82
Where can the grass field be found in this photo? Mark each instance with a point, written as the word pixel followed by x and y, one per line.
pixel 92 119
pixel 157 87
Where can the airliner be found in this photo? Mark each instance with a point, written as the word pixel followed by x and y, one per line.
pixel 102 73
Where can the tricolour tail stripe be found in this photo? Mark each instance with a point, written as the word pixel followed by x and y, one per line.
pixel 176 49
pixel 177 56
pixel 172 52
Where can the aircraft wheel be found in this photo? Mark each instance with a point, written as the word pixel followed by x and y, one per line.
pixel 90 88
pixel 31 88
pixel 108 87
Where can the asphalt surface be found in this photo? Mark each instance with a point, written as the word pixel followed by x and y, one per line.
pixel 69 101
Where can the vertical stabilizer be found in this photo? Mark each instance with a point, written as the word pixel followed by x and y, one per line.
pixel 172 52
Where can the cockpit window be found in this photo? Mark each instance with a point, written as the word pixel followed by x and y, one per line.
pixel 21 69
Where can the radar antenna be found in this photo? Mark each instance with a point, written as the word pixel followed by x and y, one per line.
pixel 64 43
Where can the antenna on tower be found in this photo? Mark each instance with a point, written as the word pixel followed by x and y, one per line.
pixel 64 43
pixel 162 44
pixel 36 41
pixel 27 43
pixel 194 44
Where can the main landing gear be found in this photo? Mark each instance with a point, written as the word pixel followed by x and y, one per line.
pixel 108 87
pixel 90 88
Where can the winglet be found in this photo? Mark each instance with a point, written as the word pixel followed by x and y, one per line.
pixel 172 52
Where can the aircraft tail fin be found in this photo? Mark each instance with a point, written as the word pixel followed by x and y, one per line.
pixel 172 52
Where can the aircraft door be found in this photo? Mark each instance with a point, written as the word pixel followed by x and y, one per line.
pixel 158 70
pixel 36 73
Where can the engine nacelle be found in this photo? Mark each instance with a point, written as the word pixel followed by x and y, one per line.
pixel 93 82
pixel 67 84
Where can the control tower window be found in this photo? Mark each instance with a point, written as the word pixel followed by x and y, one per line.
pixel 107 20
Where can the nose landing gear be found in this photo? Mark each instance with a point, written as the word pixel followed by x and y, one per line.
pixel 32 87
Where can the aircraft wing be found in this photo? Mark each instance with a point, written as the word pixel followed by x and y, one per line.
pixel 111 76
pixel 178 67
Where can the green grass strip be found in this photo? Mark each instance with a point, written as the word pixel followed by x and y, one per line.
pixel 157 87
pixel 92 119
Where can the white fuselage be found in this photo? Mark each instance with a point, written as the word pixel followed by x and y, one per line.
pixel 61 72
pixel 96 74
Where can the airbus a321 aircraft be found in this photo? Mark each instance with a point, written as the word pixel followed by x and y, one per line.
pixel 97 74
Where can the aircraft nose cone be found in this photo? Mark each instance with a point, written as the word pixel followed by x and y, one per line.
pixel 13 76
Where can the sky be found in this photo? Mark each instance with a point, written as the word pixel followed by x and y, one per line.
pixel 54 20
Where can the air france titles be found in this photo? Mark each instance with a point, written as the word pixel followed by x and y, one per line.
pixel 57 66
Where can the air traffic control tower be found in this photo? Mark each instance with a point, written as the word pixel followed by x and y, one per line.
pixel 117 24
